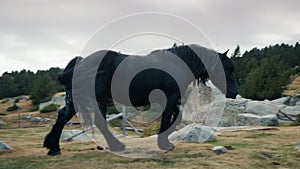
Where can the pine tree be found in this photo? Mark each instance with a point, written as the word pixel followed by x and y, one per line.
pixel 267 80
pixel 237 52
pixel 42 90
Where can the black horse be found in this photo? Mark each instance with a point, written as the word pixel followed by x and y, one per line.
pixel 203 63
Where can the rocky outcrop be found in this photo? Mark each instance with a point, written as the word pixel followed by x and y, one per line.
pixel 236 112
pixel 248 119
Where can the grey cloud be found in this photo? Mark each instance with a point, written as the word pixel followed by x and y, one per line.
pixel 42 32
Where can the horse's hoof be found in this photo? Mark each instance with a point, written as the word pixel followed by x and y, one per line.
pixel 167 147
pixel 164 143
pixel 117 147
pixel 53 153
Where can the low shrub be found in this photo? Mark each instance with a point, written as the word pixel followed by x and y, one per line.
pixel 13 107
pixel 17 100
pixel 4 101
pixel 49 108
pixel 35 108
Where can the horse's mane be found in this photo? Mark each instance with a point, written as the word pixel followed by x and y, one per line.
pixel 188 54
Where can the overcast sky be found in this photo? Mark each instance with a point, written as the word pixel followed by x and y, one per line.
pixel 39 34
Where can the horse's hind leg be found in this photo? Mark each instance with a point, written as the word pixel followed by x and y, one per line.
pixel 100 121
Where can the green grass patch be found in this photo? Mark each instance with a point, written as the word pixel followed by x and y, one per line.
pixel 151 129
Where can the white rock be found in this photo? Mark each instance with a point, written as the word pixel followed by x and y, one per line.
pixel 219 149
pixel 47 120
pixel 193 133
pixel 36 119
pixel 27 116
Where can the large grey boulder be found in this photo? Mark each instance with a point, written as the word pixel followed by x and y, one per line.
pixel 193 133
pixel 204 105
pixel 247 119
pixel 282 100
pixel 233 107
pixel 262 108
pixel 293 101
pixel 207 106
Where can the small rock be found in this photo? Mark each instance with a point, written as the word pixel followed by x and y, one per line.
pixel 298 147
pixel 4 146
pixel 193 133
pixel 47 120
pixel 36 119
pixel 27 116
pixel 219 149
pixel 2 123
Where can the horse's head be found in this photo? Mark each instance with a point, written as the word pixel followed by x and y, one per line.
pixel 65 77
pixel 231 88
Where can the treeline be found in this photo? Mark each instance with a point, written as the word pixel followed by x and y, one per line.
pixel 264 73
pixel 261 74
pixel 40 85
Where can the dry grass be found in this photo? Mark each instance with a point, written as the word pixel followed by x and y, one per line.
pixel 293 88
pixel 253 149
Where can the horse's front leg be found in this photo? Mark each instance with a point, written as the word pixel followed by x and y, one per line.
pixel 171 117
pixel 52 138
pixel 100 121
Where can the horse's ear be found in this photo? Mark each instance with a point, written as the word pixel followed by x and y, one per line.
pixel 225 53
